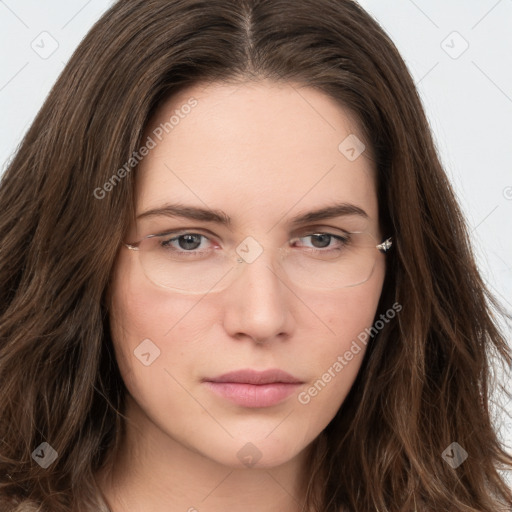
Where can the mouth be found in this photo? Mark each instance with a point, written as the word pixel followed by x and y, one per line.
pixel 251 388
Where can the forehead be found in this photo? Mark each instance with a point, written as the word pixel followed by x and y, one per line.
pixel 260 148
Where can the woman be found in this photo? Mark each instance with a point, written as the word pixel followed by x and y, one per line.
pixel 235 275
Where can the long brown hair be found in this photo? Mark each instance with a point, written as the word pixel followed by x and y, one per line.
pixel 427 377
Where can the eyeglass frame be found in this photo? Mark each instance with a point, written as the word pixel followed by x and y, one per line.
pixel 383 247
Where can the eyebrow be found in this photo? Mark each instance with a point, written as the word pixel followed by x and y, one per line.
pixel 220 217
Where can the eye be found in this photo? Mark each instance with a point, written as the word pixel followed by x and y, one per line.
pixel 330 241
pixel 184 243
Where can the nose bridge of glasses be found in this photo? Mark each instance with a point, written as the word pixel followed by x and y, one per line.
pixel 258 250
pixel 260 261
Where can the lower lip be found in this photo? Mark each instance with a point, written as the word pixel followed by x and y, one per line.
pixel 253 395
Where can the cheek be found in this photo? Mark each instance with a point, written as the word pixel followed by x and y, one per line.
pixel 337 358
pixel 139 309
pixel 144 321
pixel 348 312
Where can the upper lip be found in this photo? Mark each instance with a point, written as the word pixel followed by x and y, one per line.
pixel 250 376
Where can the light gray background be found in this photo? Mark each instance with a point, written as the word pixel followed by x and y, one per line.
pixel 459 53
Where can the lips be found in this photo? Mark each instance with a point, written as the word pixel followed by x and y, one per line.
pixel 255 377
pixel 251 388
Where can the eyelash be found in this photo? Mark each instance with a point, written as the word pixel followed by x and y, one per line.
pixel 342 239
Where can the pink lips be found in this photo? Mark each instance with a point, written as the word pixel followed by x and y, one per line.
pixel 250 388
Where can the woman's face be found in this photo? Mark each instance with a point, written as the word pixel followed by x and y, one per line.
pixel 263 154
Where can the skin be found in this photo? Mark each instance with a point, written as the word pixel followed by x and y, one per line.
pixel 263 153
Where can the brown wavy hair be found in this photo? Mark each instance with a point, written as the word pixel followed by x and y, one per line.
pixel 426 380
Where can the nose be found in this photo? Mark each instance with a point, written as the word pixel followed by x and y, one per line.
pixel 257 304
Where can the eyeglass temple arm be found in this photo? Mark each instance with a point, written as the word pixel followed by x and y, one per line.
pixel 386 245
pixel 135 245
